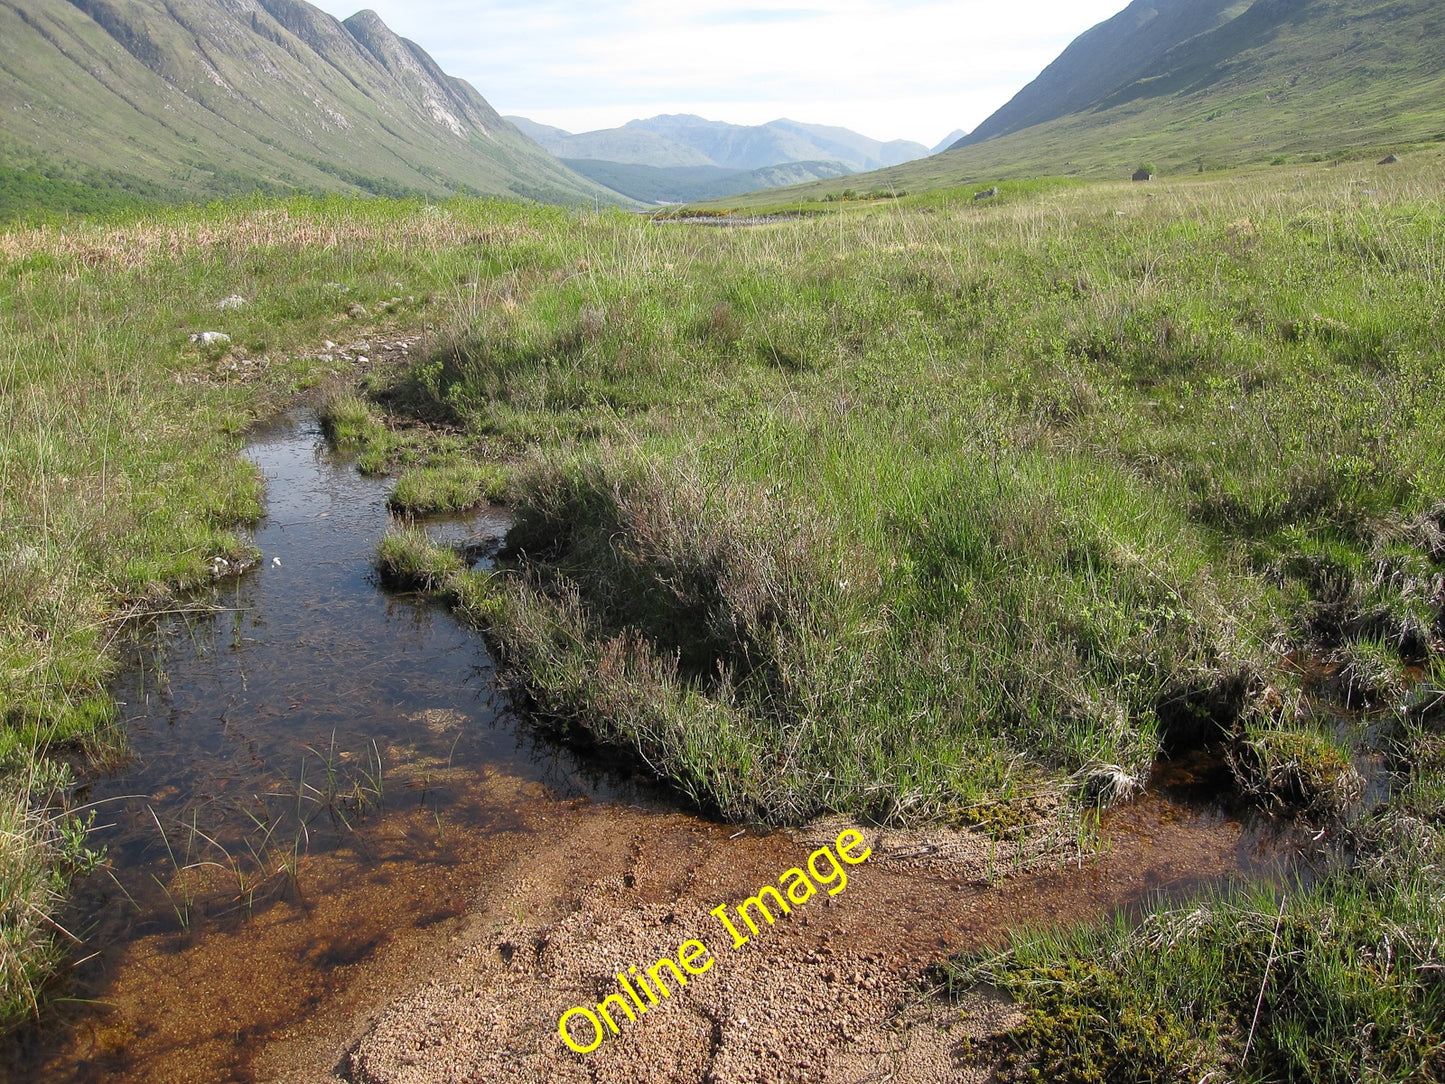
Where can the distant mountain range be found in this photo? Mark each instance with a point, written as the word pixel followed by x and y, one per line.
pixel 679 158
pixel 949 140
pixel 196 98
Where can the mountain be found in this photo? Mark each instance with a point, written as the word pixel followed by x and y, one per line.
pixel 676 158
pixel 685 140
pixel 688 184
pixel 196 98
pixel 1191 85
pixel 1102 59
pixel 949 140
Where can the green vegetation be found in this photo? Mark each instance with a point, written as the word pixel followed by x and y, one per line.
pixel 448 486
pixel 922 508
pixel 962 501
pixel 1338 981
pixel 407 557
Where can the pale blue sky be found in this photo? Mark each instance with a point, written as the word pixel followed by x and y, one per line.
pixel 905 69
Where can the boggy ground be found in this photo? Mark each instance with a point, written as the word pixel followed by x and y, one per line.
pixel 899 515
pixel 838 991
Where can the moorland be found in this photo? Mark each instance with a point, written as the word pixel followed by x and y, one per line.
pixel 920 509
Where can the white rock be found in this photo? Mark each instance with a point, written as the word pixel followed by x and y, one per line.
pixel 210 338
pixel 235 301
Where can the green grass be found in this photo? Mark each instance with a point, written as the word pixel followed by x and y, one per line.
pixel 923 510
pixel 407 557
pixel 1338 980
pixel 938 500
pixel 448 486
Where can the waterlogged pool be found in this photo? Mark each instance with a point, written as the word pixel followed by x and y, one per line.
pixel 328 804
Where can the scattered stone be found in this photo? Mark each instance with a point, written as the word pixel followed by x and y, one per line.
pixel 356 310
pixel 362 359
pixel 211 338
pixel 987 193
pixel 1388 160
pixel 235 301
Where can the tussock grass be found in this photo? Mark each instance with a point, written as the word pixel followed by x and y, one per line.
pixel 1025 491
pixel 448 486
pixel 407 557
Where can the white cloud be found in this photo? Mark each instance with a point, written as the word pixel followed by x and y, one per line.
pixel 907 69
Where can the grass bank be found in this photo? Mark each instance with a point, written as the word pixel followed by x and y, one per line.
pixel 916 509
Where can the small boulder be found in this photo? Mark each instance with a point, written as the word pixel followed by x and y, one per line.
pixel 987 193
pixel 356 310
pixel 235 301
pixel 211 338
pixel 1388 160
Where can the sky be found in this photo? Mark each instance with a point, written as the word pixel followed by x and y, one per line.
pixel 889 69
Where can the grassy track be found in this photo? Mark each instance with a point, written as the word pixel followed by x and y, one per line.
pixel 922 508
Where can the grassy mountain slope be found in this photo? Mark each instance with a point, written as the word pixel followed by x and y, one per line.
pixel 192 98
pixel 1115 52
pixel 1282 81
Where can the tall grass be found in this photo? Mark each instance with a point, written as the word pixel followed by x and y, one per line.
pixel 931 503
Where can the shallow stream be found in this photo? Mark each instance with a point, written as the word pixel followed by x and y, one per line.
pixel 324 780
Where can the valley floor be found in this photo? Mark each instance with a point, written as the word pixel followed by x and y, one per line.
pixel 920 512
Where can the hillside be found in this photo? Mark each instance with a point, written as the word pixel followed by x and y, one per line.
pixel 1274 81
pixel 1100 60
pixel 196 98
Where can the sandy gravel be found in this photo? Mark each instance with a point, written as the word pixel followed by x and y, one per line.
pixel 835 992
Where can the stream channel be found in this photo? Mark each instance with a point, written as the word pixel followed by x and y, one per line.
pixel 324 781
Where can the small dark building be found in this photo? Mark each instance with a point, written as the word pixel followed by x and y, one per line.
pixel 1143 175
